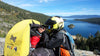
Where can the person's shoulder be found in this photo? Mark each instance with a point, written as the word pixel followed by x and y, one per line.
pixel 62 31
pixel 60 34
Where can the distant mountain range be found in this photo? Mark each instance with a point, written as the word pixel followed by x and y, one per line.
pixel 82 16
pixel 90 20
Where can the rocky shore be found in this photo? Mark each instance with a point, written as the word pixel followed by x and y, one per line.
pixel 2 41
pixel 84 53
pixel 77 52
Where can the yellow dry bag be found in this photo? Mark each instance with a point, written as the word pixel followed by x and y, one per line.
pixel 17 41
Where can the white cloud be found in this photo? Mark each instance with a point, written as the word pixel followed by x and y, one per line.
pixel 61 13
pixel 25 5
pixel 12 3
pixel 84 12
pixel 41 1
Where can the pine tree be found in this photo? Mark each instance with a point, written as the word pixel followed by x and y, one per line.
pixel 97 34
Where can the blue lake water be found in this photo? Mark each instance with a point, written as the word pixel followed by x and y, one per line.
pixel 83 28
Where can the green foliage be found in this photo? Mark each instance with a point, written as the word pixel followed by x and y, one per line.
pixel 80 42
pixel 2 34
pixel 91 43
pixel 12 12
pixel 71 26
pixel 97 34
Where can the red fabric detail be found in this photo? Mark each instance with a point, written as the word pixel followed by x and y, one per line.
pixel 34 40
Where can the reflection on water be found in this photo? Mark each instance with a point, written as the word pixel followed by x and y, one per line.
pixel 83 28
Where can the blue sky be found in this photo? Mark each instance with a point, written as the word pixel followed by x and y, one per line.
pixel 59 7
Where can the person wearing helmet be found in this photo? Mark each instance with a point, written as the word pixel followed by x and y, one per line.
pixel 55 27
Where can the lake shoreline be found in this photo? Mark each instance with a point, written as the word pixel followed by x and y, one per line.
pixel 84 28
pixel 90 20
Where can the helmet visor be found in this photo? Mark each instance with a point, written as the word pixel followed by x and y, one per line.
pixel 50 22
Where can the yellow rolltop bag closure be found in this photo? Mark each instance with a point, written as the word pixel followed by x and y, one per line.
pixel 17 41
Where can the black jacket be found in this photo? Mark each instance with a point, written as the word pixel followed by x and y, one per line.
pixel 53 41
